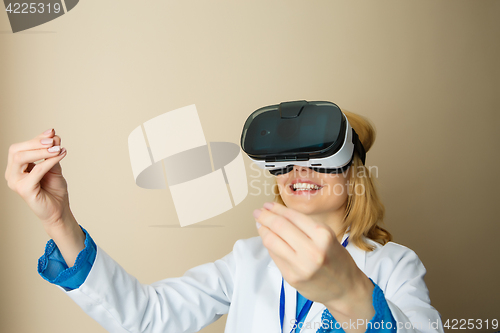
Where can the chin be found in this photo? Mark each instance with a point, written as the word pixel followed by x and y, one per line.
pixel 315 204
pixel 303 205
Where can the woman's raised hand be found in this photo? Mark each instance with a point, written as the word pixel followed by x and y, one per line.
pixel 45 190
pixel 313 261
pixel 41 185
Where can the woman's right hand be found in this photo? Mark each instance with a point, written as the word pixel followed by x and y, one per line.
pixel 41 185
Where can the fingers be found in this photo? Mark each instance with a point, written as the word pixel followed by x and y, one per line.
pixel 297 231
pixel 276 245
pixel 24 158
pixel 39 142
pixel 297 219
pixel 20 160
pixel 35 143
pixel 283 228
pixel 22 155
pixel 39 170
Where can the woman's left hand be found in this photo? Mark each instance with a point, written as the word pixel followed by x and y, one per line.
pixel 308 254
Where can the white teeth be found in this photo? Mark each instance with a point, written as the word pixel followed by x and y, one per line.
pixel 305 186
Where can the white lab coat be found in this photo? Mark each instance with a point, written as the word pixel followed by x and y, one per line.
pixel 246 285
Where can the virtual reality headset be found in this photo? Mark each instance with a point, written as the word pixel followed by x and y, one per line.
pixel 311 134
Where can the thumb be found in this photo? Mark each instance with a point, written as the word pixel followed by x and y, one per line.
pixel 52 164
pixel 57 167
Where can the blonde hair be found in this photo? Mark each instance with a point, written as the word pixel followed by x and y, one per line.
pixel 364 213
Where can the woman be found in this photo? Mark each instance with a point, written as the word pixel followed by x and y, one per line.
pixel 321 263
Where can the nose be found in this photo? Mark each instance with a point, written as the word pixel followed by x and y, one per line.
pixel 300 169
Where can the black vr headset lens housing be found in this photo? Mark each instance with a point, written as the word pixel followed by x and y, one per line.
pixel 312 134
pixel 310 129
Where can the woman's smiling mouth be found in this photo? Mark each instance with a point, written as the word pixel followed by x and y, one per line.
pixel 303 186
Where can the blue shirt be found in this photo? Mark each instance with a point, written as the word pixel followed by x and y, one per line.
pixel 53 268
pixel 382 321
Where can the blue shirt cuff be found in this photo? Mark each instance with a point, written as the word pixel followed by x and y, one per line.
pixel 382 321
pixel 53 268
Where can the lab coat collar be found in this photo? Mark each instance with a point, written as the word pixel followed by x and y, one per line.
pixel 357 254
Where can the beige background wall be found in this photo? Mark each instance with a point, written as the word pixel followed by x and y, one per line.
pixel 425 72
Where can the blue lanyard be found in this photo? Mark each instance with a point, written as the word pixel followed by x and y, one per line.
pixel 305 308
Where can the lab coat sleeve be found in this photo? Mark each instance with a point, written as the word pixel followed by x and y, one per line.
pixel 408 296
pixel 120 303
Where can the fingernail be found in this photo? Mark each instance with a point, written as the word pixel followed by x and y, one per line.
pixel 258 225
pixel 54 149
pixel 256 213
pixel 62 151
pixel 46 141
pixel 268 205
pixel 48 131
